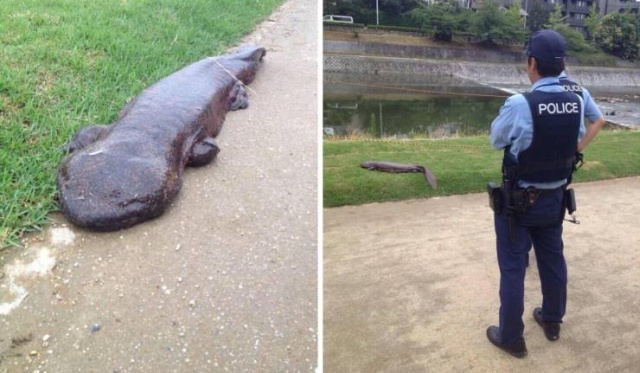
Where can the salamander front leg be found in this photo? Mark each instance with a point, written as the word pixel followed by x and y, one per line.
pixel 87 136
pixel 238 98
pixel 203 152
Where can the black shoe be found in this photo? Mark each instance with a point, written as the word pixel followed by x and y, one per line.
pixel 551 329
pixel 518 349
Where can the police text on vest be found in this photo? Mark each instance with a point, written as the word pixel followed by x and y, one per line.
pixel 572 88
pixel 558 108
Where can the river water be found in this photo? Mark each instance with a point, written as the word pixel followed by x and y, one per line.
pixel 437 107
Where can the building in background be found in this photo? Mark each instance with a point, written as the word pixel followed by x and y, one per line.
pixel 610 6
pixel 575 11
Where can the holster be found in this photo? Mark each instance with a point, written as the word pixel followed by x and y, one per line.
pixel 496 197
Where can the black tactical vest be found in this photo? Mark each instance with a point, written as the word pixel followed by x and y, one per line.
pixel 571 86
pixel 556 124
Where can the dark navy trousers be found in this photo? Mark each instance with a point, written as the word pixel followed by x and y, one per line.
pixel 541 225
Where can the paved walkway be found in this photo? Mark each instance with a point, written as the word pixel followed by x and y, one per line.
pixel 412 286
pixel 225 280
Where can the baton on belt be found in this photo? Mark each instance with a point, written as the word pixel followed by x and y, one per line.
pixel 507 180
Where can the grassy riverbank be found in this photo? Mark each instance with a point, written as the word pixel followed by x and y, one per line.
pixel 361 35
pixel 68 63
pixel 461 166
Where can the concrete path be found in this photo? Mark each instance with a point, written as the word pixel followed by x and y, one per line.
pixel 412 286
pixel 225 280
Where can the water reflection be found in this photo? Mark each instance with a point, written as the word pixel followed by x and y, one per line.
pixel 405 107
pixel 433 117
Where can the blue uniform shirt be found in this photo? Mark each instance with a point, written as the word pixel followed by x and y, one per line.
pixel 591 110
pixel 514 125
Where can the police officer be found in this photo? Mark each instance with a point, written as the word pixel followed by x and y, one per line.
pixel 591 112
pixel 539 132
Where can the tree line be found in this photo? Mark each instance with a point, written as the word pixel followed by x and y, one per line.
pixel 615 33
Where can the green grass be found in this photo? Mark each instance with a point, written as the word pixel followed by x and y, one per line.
pixel 461 166
pixel 65 64
pixel 596 58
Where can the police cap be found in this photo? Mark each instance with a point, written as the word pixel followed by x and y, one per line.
pixel 547 45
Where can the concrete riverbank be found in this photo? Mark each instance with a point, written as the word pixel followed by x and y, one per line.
pixel 488 73
pixel 384 65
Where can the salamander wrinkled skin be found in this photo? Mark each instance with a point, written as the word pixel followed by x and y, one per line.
pixel 125 173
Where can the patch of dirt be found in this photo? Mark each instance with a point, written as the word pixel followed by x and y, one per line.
pixel 412 286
